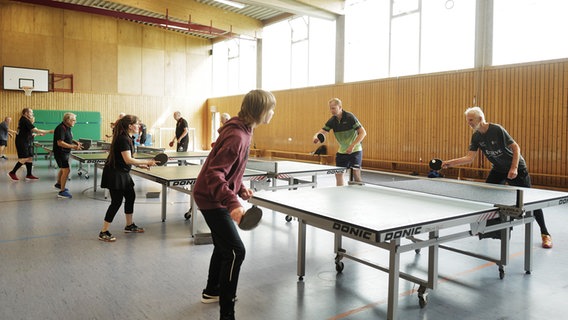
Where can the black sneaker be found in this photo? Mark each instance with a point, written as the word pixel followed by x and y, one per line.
pixel 209 298
pixel 133 228
pixel 57 186
pixel 230 316
pixel 106 236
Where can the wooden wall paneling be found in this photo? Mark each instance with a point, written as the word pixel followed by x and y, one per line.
pixel 153 72
pixel 540 116
pixel 175 73
pixel 129 67
pixel 77 60
pixel 129 34
pixel 77 26
pixel 563 105
pixel 48 22
pixel 104 68
pixel 104 29
pixel 48 56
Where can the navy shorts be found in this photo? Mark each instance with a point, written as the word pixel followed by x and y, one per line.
pixel 353 160
pixel 62 160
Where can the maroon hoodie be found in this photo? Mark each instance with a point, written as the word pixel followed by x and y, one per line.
pixel 220 179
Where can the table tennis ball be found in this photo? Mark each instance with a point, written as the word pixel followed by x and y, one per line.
pixel 290 139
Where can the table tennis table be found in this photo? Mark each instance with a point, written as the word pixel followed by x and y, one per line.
pixel 81 170
pixel 99 158
pixel 183 178
pixel 428 212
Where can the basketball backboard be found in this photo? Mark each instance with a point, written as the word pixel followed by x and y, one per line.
pixel 16 78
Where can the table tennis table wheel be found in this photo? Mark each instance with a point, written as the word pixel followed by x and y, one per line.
pixel 288 218
pixel 187 215
pixel 338 263
pixel 422 296
pixel 339 266
pixel 501 272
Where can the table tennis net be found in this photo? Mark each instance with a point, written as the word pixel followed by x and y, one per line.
pixel 481 193
pixel 263 166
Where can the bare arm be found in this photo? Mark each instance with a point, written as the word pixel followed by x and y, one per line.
pixel 66 145
pixel 468 158
pixel 40 131
pixel 513 171
pixel 316 140
pixel 128 159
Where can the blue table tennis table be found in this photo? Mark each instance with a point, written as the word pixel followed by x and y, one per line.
pixel 405 214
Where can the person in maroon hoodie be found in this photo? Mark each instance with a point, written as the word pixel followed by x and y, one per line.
pixel 216 190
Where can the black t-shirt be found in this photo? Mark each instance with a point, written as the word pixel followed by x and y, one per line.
pixel 122 143
pixel 25 134
pixel 62 132
pixel 495 146
pixel 180 127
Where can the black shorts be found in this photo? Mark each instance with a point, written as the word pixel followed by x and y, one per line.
pixel 3 142
pixel 62 160
pixel 25 150
pixel 352 160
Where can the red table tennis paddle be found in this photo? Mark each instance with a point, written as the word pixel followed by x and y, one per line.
pixel 161 159
pixel 435 164
pixel 321 137
pixel 251 218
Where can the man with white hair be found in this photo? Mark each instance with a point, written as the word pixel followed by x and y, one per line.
pixel 508 165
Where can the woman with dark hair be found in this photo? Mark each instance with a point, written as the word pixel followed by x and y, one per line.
pixel 116 175
pixel 25 144
pixel 216 193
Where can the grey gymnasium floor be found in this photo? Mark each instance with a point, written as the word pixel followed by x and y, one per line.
pixel 53 267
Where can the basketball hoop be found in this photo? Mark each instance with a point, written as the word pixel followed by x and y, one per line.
pixel 28 90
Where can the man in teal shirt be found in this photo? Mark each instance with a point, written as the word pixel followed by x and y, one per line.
pixel 349 133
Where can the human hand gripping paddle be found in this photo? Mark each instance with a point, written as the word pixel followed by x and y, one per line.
pixel 251 218
pixel 435 164
pixel 320 137
pixel 161 159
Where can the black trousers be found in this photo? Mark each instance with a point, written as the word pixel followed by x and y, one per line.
pixel 226 260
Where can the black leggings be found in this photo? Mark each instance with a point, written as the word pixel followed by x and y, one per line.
pixel 523 179
pixel 228 255
pixel 116 197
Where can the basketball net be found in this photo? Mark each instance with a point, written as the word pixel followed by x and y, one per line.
pixel 28 91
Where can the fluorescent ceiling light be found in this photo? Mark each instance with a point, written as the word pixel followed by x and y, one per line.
pixel 237 5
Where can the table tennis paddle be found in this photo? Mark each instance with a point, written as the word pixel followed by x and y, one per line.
pixel 171 144
pixel 321 137
pixel 85 145
pixel 161 159
pixel 251 218
pixel 435 164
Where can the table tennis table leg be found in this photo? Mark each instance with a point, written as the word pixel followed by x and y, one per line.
pixel 528 246
pixel 164 201
pixel 301 249
pixel 95 178
pixel 505 239
pixel 394 274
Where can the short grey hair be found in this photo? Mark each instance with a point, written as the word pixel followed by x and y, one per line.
pixel 476 111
